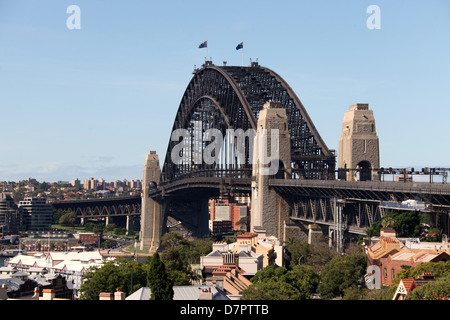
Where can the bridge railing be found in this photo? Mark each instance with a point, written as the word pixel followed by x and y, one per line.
pixel 234 173
pixel 430 175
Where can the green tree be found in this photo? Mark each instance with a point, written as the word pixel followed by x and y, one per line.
pixel 438 269
pixel 341 273
pixel 68 219
pixel 271 290
pixel 160 285
pixel 304 279
pixel 269 273
pixel 406 224
pixel 113 275
pixel 435 290
pixel 177 271
pixel 298 251
pixel 279 283
pixel 316 255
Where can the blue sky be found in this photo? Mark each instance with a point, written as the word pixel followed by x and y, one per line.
pixel 92 102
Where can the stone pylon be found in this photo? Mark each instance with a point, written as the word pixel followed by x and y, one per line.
pixel 271 158
pixel 358 144
pixel 150 209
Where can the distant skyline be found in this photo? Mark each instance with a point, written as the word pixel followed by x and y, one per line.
pixel 92 102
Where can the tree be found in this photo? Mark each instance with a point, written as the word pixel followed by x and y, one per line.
pixel 279 283
pixel 435 290
pixel 271 290
pixel 243 223
pixel 298 251
pixel 177 271
pixel 304 279
pixel 315 256
pixel 160 285
pixel 438 269
pixel 113 275
pixel 406 224
pixel 341 273
pixel 68 219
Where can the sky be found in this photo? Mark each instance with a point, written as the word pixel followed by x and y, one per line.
pixel 93 101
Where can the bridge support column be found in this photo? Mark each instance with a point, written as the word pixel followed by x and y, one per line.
pixel 150 234
pixel 272 157
pixel 336 231
pixel 358 144
pixel 127 226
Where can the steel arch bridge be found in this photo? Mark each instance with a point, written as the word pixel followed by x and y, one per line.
pixel 231 97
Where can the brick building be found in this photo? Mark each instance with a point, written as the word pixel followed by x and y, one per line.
pixel 390 253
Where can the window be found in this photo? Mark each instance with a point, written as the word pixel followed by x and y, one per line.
pixel 385 273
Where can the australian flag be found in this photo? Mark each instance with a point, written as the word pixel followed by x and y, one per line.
pixel 240 46
pixel 203 45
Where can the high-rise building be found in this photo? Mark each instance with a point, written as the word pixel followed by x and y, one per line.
pixel 10 217
pixel 226 209
pixel 37 213
pixel 75 183
pixel 90 184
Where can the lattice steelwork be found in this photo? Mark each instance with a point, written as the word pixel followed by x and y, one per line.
pixel 230 97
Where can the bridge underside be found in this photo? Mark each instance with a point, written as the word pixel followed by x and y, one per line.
pixel 362 203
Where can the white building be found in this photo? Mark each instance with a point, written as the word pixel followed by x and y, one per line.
pixel 71 265
pixel 222 255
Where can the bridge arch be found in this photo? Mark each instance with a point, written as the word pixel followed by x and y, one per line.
pixel 230 97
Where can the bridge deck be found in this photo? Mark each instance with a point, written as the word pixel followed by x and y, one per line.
pixel 437 194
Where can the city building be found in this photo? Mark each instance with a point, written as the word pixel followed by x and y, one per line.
pixel 407 285
pixel 75 183
pixel 220 226
pixel 70 265
pixel 227 209
pixel 89 238
pixel 266 247
pixel 90 184
pixel 10 215
pixel 222 256
pixel 230 266
pixel 48 241
pixel 37 213
pixel 389 253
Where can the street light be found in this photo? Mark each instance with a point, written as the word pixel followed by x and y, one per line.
pixel 299 259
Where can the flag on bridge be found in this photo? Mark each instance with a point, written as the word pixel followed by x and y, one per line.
pixel 240 46
pixel 203 45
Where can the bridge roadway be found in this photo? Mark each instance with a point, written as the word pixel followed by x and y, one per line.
pixel 102 207
pixel 435 194
pixel 438 195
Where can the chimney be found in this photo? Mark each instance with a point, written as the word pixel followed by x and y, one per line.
pixel 205 294
pixel 119 295
pixel 106 296
pixel 48 294
pixel 36 294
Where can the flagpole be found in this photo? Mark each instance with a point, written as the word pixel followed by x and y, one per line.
pixel 242 56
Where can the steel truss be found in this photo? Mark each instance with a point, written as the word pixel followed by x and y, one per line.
pixel 102 208
pixel 230 97
pixel 356 216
